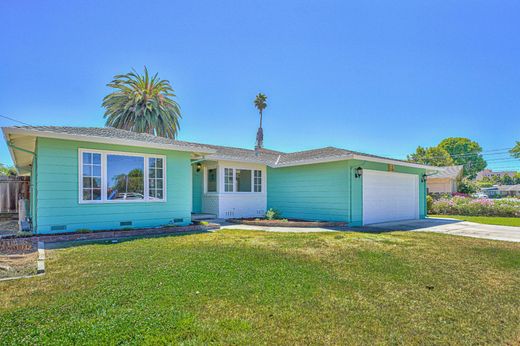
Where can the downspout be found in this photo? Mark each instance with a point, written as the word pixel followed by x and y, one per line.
pixel 33 183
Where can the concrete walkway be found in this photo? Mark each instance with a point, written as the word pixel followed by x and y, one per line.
pixel 437 225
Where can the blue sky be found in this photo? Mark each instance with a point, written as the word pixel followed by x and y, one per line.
pixel 374 76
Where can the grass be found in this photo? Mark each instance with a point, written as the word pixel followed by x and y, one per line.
pixel 488 220
pixel 243 287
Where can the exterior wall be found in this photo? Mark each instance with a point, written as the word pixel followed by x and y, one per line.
pixel 310 192
pixel 57 191
pixel 441 185
pixel 234 204
pixel 197 189
pixel 327 191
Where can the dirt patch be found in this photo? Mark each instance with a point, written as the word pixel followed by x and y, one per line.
pixel 286 223
pixel 18 257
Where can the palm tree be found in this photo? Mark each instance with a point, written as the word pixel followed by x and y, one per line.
pixel 142 104
pixel 260 104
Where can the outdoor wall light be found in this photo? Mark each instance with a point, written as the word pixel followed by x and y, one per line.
pixel 359 172
pixel 199 166
pixel 423 178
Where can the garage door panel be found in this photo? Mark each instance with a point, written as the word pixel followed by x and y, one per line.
pixel 389 196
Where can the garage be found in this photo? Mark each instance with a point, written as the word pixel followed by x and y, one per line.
pixel 389 196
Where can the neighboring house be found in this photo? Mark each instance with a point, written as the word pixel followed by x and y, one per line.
pixel 445 181
pixel 492 191
pixel 509 190
pixel 105 178
pixel 488 173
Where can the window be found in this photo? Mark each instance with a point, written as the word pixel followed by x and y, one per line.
pixel 125 177
pixel 91 177
pixel 243 178
pixel 212 180
pixel 155 178
pixel 228 179
pixel 258 181
pixel 119 177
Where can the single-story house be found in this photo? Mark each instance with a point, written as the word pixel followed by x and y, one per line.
pixel 445 181
pixel 106 178
pixel 509 190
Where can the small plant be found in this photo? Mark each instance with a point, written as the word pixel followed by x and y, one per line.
pixel 24 234
pixel 272 214
pixel 83 230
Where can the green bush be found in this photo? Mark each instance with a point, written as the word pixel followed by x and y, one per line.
pixel 457 205
pixel 272 214
pixel 429 203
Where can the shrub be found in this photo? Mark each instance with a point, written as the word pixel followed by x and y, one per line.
pixel 476 207
pixel 272 214
pixel 429 203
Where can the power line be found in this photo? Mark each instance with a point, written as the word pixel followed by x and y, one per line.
pixel 18 121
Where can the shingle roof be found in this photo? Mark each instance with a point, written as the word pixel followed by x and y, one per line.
pixel 451 172
pixel 269 157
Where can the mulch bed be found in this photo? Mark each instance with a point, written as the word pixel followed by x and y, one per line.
pixel 111 234
pixel 287 223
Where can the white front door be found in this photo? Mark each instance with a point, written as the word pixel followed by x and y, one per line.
pixel 389 196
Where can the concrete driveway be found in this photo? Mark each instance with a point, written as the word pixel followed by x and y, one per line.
pixel 452 226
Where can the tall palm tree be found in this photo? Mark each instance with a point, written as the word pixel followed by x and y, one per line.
pixel 260 104
pixel 142 104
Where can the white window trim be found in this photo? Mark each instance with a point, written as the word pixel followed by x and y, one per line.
pixel 104 199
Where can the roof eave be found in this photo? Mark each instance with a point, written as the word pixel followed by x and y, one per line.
pixel 397 162
pixel 97 139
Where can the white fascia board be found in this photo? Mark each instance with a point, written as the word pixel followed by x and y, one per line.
pixel 7 140
pixel 313 161
pixel 105 140
pixel 396 162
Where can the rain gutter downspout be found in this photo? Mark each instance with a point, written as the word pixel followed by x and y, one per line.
pixel 35 166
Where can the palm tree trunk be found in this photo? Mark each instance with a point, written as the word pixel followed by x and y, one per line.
pixel 260 118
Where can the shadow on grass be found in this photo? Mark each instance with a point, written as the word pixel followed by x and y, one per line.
pixel 406 225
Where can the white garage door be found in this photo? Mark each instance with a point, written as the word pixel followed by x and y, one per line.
pixel 389 196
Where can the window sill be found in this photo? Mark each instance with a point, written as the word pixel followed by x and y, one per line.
pixel 124 202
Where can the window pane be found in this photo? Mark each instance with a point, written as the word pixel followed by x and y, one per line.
pixel 87 195
pixel 158 173
pixel 125 177
pixel 87 158
pixel 243 177
pixel 87 182
pixel 152 193
pixel 159 184
pixel 212 180
pixel 160 194
pixel 96 194
pixel 96 182
pixel 151 173
pixel 87 170
pixel 96 171
pixel 151 162
pixel 96 159
pixel 151 183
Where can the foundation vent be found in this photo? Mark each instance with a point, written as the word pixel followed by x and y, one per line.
pixel 59 228
pixel 125 223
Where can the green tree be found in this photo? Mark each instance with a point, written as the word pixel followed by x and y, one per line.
pixel 433 156
pixel 515 152
pixel 516 178
pixel 260 104
pixel 142 104
pixel 6 170
pixel 465 152
pixel 507 180
pixel 131 182
pixel 467 186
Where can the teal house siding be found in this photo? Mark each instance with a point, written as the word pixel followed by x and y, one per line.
pixel 310 192
pixel 327 191
pixel 197 190
pixel 56 191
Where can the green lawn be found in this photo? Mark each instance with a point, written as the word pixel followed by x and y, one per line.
pixel 243 287
pixel 488 220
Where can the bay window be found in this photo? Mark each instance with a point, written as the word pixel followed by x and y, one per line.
pixel 242 180
pixel 121 177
